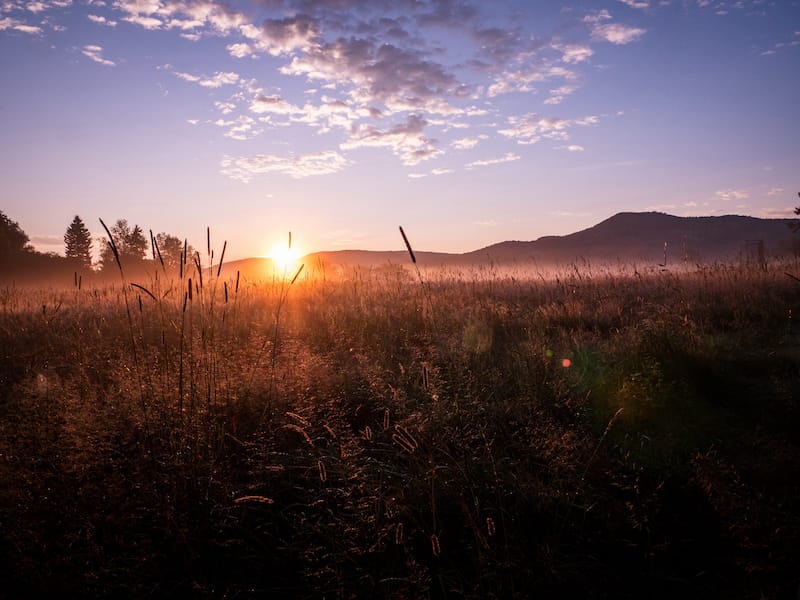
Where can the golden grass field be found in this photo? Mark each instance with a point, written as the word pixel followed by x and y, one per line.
pixel 392 434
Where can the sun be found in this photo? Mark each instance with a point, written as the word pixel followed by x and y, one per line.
pixel 285 259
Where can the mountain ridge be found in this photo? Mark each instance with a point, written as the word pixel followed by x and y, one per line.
pixel 625 236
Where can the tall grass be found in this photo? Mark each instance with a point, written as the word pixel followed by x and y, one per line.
pixel 595 433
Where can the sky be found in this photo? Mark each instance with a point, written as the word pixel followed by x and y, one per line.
pixel 468 123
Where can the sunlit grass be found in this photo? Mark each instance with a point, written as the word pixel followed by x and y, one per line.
pixel 389 435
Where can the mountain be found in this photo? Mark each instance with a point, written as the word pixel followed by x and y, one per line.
pixel 642 236
pixel 625 237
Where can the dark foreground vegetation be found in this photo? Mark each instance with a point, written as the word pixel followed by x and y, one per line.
pixel 600 436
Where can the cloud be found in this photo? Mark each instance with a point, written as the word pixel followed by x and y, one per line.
pixel 282 36
pixel 468 142
pixel 35 7
pixel 405 140
pixel 95 53
pixel 573 148
pixel 392 74
pixel 574 53
pixel 558 94
pixel 225 108
pixel 509 157
pixel 179 14
pixel 400 79
pixel 776 191
pixel 617 33
pixel 272 105
pixel 522 79
pixel 101 20
pixel 240 50
pixel 531 128
pixel 496 44
pixel 16 25
pixel 597 17
pixel 215 81
pixel 241 128
pixel 637 3
pixel 319 163
pixel 728 195
pixel 447 13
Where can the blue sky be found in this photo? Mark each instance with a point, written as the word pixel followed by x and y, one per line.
pixel 466 122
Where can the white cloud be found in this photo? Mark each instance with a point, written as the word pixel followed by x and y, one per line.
pixel 637 3
pixel 217 80
pixel 273 105
pixel 574 53
pixel 776 191
pixel 531 128
pixel 573 148
pixel 558 94
pixel 319 163
pixel 597 17
pixel 144 21
pixel 616 33
pixel 406 140
pixel 225 107
pixel 35 7
pixel 728 195
pixel 240 50
pixel 96 54
pixel 101 20
pixel 16 25
pixel 509 157
pixel 468 142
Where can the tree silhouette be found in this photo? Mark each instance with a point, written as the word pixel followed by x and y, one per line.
pixel 131 245
pixel 13 240
pixel 171 249
pixel 78 242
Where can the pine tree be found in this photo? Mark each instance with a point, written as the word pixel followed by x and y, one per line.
pixel 78 243
pixel 136 244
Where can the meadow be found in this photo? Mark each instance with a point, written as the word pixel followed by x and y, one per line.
pixel 393 434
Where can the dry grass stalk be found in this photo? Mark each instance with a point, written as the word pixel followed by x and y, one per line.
pixel 254 499
pixel 408 246
pixel 404 439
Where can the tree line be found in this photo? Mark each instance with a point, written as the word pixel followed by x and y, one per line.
pixel 130 242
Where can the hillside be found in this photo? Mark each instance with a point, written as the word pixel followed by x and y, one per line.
pixel 625 237
pixel 641 237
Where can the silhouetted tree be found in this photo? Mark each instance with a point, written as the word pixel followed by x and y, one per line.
pixel 131 245
pixel 171 249
pixel 136 244
pixel 78 242
pixel 12 239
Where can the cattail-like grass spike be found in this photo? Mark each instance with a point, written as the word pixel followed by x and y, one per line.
pixel 408 246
